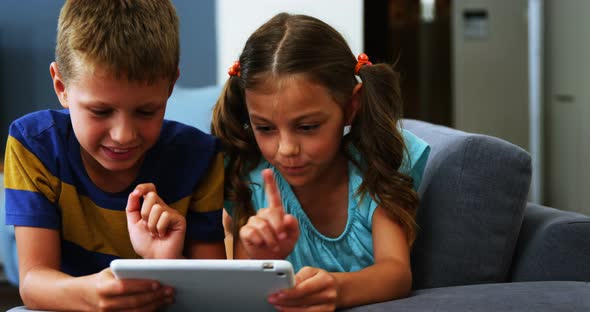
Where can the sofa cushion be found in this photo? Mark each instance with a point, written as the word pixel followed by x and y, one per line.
pixel 518 297
pixel 472 200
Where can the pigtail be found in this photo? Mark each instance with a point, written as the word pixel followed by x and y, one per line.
pixel 376 135
pixel 298 44
pixel 231 125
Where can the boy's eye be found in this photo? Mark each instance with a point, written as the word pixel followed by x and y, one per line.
pixel 146 113
pixel 100 112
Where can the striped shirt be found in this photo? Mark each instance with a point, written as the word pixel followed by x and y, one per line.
pixel 47 186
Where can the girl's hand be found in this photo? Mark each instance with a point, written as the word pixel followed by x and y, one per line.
pixel 156 230
pixel 315 290
pixel 110 294
pixel 271 233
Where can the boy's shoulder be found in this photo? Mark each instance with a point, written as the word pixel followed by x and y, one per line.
pixel 43 134
pixel 40 123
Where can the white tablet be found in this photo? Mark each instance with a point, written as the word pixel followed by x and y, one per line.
pixel 213 285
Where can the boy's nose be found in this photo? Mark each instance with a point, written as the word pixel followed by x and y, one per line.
pixel 123 132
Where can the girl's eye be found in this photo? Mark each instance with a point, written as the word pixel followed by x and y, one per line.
pixel 263 128
pixel 308 128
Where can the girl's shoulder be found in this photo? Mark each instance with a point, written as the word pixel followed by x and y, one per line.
pixel 415 157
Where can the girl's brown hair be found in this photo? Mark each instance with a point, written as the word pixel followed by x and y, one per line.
pixel 298 44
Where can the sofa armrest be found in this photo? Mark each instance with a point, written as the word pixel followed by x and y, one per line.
pixel 552 245
pixel 472 200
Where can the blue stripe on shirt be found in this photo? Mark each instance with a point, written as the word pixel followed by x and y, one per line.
pixel 205 226
pixel 77 261
pixel 22 209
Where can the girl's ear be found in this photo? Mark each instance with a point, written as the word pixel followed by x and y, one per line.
pixel 355 104
pixel 59 85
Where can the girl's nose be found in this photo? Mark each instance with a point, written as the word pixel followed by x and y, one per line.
pixel 288 146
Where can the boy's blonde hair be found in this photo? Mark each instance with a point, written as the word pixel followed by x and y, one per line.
pixel 133 39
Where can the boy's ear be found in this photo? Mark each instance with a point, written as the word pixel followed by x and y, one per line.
pixel 174 81
pixel 58 85
pixel 355 104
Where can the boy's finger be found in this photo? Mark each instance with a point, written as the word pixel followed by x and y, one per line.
pixel 145 188
pixel 272 192
pixel 133 208
pixel 135 286
pixel 142 301
pixel 149 200
pixel 164 222
pixel 154 218
pixel 128 286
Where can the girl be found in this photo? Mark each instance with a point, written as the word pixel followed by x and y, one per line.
pixel 339 207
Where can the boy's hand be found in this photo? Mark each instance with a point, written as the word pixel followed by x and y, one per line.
pixel 315 290
pixel 271 233
pixel 110 294
pixel 156 230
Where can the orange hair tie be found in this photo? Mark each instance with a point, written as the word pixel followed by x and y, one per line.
pixel 234 69
pixel 363 59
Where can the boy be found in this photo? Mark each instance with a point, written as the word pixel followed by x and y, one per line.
pixel 81 183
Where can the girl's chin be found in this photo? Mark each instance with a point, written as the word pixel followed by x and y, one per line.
pixel 296 181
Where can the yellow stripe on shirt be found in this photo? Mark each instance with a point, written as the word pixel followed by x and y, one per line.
pixel 92 227
pixel 209 194
pixel 25 172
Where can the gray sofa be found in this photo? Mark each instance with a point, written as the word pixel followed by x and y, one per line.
pixel 480 245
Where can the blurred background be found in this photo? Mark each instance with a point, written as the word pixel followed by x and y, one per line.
pixel 513 69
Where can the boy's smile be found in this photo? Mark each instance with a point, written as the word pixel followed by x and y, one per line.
pixel 115 120
pixel 119 154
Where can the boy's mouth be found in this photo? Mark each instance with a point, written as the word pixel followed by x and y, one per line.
pixel 120 150
pixel 116 153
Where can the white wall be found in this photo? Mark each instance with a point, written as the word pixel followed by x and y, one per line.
pixel 568 104
pixel 490 70
pixel 237 19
